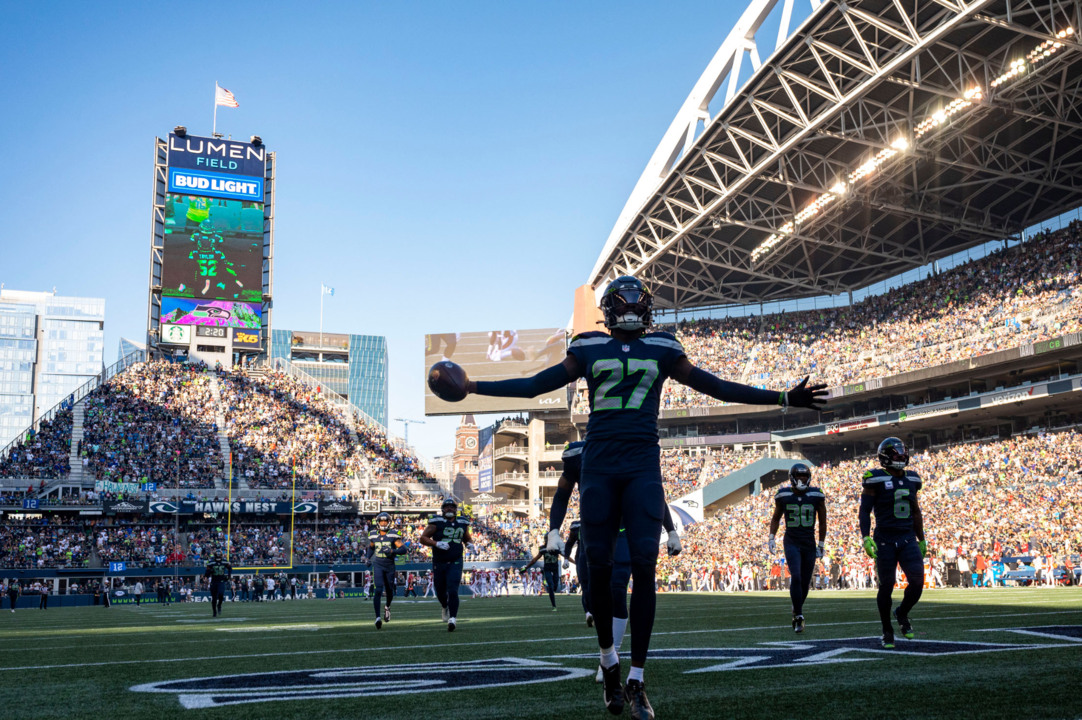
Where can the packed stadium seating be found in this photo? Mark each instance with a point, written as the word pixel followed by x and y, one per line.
pixel 154 423
pixel 1025 294
pixel 42 454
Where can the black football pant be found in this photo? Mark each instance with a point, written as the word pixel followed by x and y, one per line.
pixel 621 577
pixel 217 597
pixel 582 569
pixel 383 576
pixel 801 562
pixel 636 501
pixel 447 576
pixel 890 554
pixel 552 582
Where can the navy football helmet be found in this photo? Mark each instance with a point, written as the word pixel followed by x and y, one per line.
pixel 627 304
pixel 800 477
pixel 449 508
pixel 383 521
pixel 892 454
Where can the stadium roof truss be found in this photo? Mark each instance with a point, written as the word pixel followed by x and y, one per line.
pixel 878 136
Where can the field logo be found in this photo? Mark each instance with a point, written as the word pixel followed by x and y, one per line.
pixel 350 682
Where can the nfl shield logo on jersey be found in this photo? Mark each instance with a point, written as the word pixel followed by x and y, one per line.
pixel 626 348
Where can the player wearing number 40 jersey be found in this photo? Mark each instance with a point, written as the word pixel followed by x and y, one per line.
pixel 800 504
pixel 891 494
pixel 446 534
pixel 625 370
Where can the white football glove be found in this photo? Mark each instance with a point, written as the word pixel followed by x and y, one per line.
pixel 772 544
pixel 443 545
pixel 820 550
pixel 673 544
pixel 553 542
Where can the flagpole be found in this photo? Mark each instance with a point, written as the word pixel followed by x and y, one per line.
pixel 214 127
pixel 321 294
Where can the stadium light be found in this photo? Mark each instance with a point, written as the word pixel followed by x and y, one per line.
pixel 937 118
pixel 256 140
pixel 180 131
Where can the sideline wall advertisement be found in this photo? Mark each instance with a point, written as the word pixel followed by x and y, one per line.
pixel 497 355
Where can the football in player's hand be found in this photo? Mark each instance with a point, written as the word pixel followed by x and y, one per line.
pixel 448 381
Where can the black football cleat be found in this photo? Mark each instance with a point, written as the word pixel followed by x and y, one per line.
pixel 379 623
pixel 451 624
pixel 904 625
pixel 887 641
pixel 798 624
pixel 613 693
pixel 635 696
pixel 589 620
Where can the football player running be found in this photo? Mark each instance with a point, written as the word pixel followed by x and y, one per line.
pixel 621 466
pixel 801 504
pixel 219 572
pixel 890 493
pixel 383 546
pixel 551 571
pixel 446 534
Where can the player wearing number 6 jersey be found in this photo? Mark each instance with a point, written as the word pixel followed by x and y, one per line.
pixel 621 465
pixel 800 504
pixel 891 493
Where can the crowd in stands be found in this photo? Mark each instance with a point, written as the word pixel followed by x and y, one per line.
pixel 43 544
pixel 992 499
pixel 42 453
pixel 153 423
pixel 1024 294
pixel 137 544
pixel 683 471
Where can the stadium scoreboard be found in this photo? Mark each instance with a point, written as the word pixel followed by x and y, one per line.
pixel 212 247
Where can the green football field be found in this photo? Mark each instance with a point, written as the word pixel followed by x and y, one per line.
pixel 712 656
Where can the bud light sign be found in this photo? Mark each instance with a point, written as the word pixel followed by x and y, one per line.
pixel 209 184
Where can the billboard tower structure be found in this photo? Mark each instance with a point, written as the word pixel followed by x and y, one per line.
pixel 212 247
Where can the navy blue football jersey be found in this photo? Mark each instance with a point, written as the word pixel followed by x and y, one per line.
pixel 450 532
pixel 383 546
pixel 572 458
pixel 551 559
pixel 624 381
pixel 800 510
pixel 894 498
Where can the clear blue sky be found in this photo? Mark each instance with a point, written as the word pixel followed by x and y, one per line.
pixel 444 166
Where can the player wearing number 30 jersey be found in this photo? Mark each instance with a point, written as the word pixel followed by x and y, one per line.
pixel 625 370
pixel 800 504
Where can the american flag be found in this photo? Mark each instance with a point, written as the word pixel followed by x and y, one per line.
pixel 224 97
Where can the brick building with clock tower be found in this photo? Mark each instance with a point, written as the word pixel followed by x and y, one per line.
pixel 464 458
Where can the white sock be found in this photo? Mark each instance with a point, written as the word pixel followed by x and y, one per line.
pixel 618 626
pixel 609 657
pixel 634 674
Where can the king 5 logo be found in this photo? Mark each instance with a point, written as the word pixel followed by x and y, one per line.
pixel 242 338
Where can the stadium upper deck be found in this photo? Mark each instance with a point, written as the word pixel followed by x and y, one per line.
pixel 878 136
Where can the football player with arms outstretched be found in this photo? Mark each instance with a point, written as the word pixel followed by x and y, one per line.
pixel 621 465
pixel 446 534
pixel 383 546
pixel 890 493
pixel 551 571
pixel 801 504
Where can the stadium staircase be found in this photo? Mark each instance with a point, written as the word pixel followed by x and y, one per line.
pixel 223 439
pixel 75 463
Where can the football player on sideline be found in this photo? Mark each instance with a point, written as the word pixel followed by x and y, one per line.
pixel 891 493
pixel 621 466
pixel 219 572
pixel 446 534
pixel 581 568
pixel 801 504
pixel 383 546
pixel 551 571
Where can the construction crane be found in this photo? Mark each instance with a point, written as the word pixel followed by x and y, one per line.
pixel 406 424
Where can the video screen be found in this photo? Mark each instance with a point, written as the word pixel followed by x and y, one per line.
pixel 215 313
pixel 497 355
pixel 213 249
